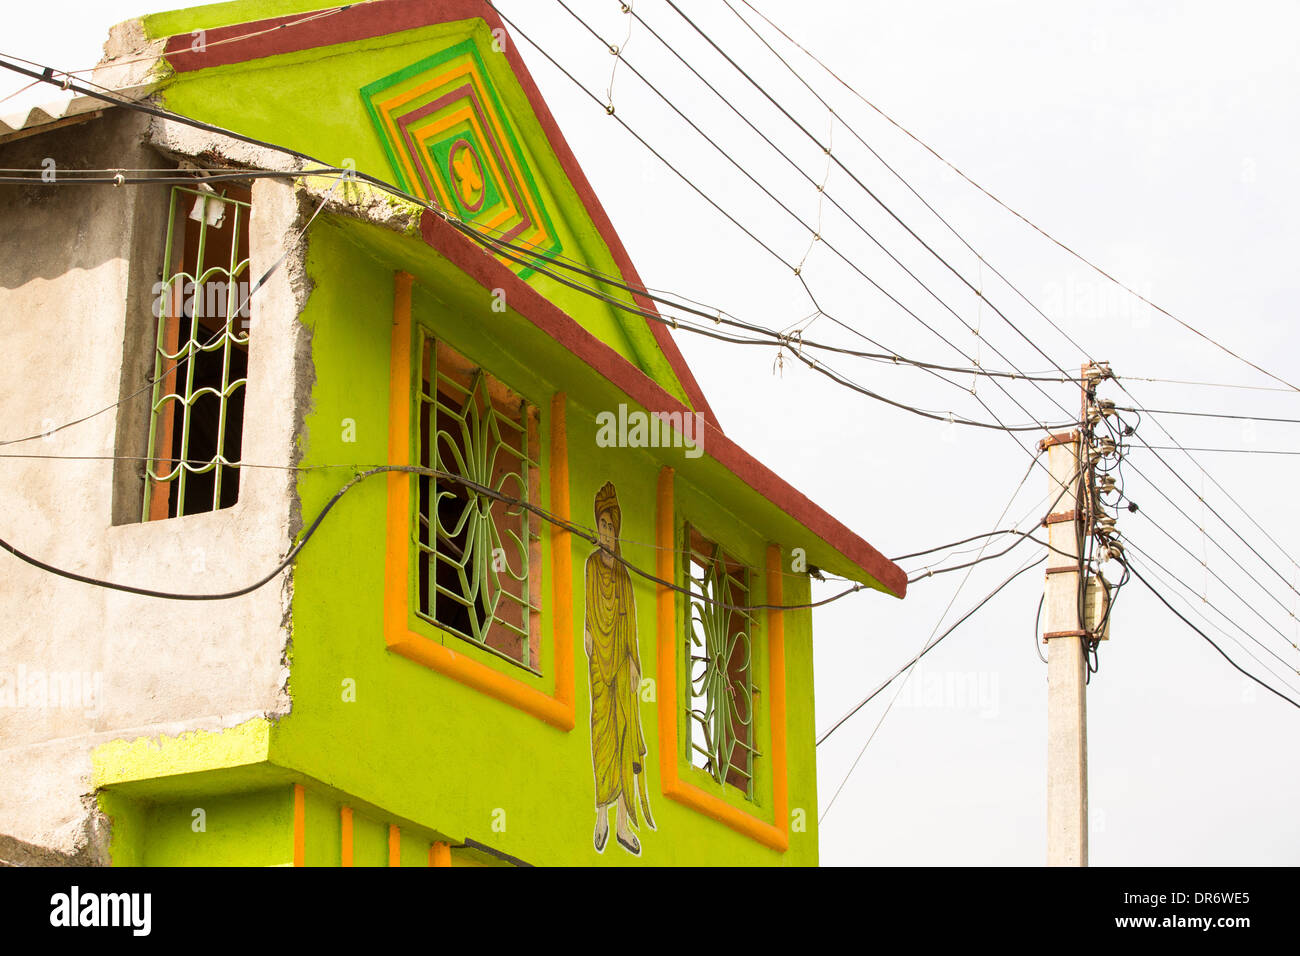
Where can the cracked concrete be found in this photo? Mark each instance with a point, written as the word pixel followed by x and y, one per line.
pixel 75 282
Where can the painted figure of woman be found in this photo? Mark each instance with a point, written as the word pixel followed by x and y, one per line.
pixel 614 666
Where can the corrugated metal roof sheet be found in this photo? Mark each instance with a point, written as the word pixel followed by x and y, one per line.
pixel 61 113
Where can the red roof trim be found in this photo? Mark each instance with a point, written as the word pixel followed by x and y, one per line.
pixel 289 34
pixel 392 16
pixel 536 308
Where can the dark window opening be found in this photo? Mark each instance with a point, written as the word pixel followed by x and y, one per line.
pixel 479 547
pixel 719 659
pixel 201 354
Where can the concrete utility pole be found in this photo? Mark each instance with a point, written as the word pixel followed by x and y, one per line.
pixel 1067 704
pixel 1070 461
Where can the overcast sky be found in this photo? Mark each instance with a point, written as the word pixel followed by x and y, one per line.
pixel 1157 139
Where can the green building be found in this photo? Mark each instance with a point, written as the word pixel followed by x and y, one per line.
pixel 573 631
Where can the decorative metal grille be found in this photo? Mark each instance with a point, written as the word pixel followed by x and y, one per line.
pixel 201 356
pixel 720 708
pixel 479 556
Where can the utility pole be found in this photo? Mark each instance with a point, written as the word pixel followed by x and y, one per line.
pixel 1071 624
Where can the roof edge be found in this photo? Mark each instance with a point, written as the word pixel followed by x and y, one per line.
pixel 294 32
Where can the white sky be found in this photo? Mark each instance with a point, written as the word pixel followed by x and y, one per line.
pixel 1157 139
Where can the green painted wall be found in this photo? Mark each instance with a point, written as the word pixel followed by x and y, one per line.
pixel 415 743
pixel 241 829
pixel 422 745
pixel 310 101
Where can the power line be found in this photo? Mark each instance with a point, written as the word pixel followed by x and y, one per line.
pixel 1176 411
pixel 460 226
pixel 866 189
pixel 929 641
pixel 1216 483
pixel 1018 215
pixel 1250 606
pixel 976 537
pixel 1191 606
pixel 1209 641
pixel 1023 536
pixel 820 367
pixel 931 645
pixel 821 189
pixel 988 557
pixel 778 340
pixel 586 534
pixel 66 177
pixel 191 346
pixel 794 269
pixel 1182 381
pixel 910 188
pixel 950 418
pixel 1230 451
pixel 1199 497
pixel 814 139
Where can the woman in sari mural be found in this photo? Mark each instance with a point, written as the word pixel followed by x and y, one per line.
pixel 614 666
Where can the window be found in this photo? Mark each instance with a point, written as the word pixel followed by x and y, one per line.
pixel 720 691
pixel 478 554
pixel 201 354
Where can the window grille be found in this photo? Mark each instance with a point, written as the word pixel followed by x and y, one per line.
pixel 479 557
pixel 720 690
pixel 201 354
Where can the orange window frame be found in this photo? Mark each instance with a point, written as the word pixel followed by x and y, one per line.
pixel 556 708
pixel 773 835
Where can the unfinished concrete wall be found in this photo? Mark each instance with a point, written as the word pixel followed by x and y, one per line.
pixel 81 665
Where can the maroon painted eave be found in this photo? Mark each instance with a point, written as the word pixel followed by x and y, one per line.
pixel 286 34
pixel 241 42
pixel 491 273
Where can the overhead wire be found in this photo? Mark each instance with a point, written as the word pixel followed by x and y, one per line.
pixel 192 346
pixel 596 99
pixel 1172 581
pixel 65 426
pixel 906 669
pixel 477 488
pixel 812 137
pixel 1014 212
pixel 902 179
pixel 1161 598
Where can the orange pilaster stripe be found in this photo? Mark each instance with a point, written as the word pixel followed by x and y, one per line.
pixel 557 710
pixel 440 854
pixel 561 556
pixel 776 693
pixel 770 835
pixel 345 828
pixel 394 845
pixel 666 600
pixel 299 825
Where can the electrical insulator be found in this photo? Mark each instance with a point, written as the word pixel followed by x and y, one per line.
pixel 1096 372
pixel 1096 602
pixel 1106 484
pixel 1100 409
pixel 1106 524
pixel 1105 448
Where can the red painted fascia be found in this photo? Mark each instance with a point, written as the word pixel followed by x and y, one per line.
pixel 393 16
pixel 366 21
pixel 491 273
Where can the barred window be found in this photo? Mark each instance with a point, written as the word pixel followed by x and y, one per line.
pixel 719 691
pixel 196 423
pixel 479 554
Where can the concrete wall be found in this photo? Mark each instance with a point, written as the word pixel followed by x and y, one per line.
pixel 77 266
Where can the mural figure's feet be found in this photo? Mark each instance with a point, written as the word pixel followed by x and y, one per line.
pixel 601 836
pixel 628 841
